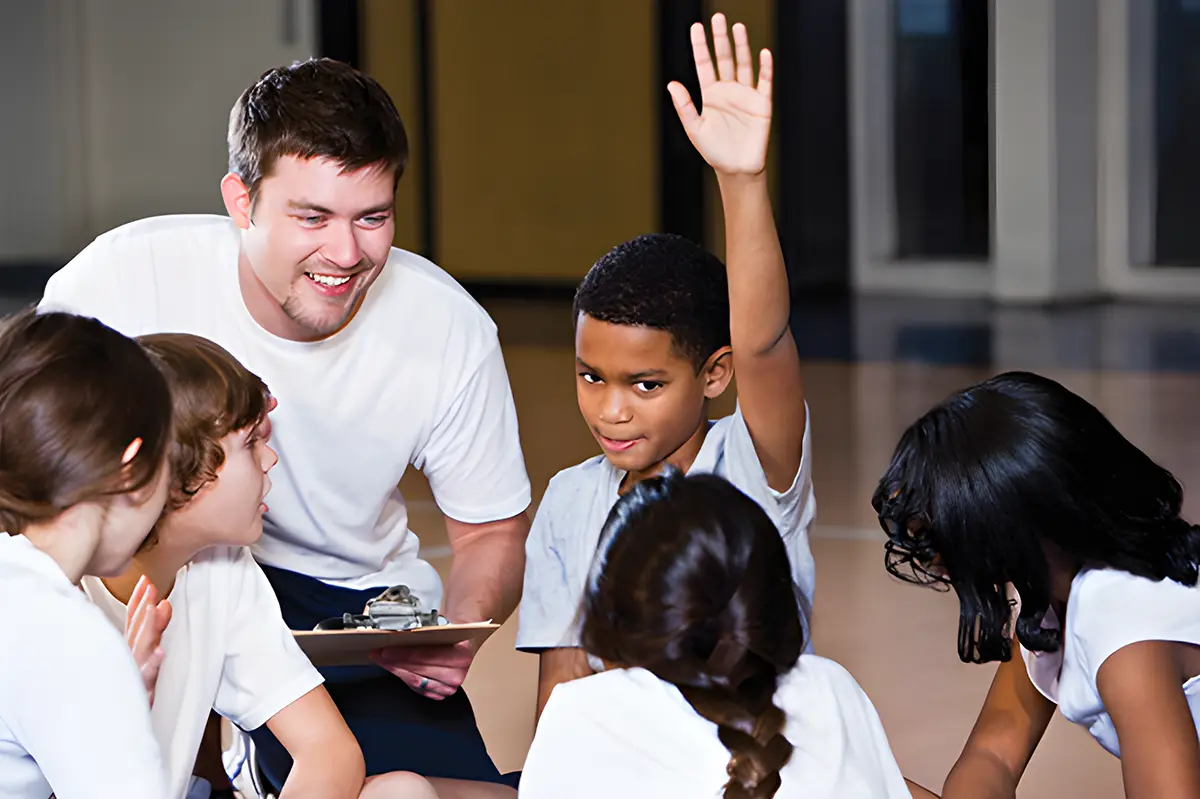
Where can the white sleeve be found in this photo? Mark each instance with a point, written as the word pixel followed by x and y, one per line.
pixel 473 459
pixel 796 504
pixel 550 599
pixel 97 283
pixel 264 671
pixel 1114 609
pixel 840 741
pixel 78 706
pixel 795 508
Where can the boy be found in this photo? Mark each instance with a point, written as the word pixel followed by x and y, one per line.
pixel 225 644
pixel 660 328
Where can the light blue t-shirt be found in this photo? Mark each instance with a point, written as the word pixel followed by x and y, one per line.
pixel 566 529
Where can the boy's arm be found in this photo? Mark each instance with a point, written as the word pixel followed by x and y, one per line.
pixel 327 761
pixel 558 666
pixel 731 134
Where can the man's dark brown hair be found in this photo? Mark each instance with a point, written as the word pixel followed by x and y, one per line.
pixel 318 108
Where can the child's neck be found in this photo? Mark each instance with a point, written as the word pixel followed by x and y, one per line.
pixel 682 458
pixel 160 563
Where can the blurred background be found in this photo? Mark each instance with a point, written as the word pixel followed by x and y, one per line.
pixel 961 186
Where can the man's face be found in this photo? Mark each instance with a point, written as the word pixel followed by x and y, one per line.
pixel 318 238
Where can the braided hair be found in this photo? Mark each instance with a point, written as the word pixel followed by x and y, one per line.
pixel 692 583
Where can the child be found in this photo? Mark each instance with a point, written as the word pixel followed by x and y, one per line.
pixel 659 331
pixel 690 604
pixel 85 421
pixel 226 645
pixel 1017 481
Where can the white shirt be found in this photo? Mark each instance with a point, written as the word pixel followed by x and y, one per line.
pixel 571 516
pixel 74 717
pixel 226 648
pixel 626 733
pixel 1107 610
pixel 416 377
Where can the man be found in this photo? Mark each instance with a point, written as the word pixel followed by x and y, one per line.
pixel 378 360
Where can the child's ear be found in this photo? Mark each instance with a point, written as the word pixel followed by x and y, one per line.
pixel 717 372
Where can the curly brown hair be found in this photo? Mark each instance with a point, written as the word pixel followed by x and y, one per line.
pixel 213 395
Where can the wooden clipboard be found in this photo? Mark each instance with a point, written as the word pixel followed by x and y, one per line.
pixel 351 647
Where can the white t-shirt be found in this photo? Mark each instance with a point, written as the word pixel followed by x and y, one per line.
pixel 226 648
pixel 416 377
pixel 626 733
pixel 571 516
pixel 1107 610
pixel 74 717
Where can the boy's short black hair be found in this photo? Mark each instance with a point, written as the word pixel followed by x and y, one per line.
pixel 665 282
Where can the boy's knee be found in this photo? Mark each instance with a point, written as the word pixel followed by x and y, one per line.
pixel 398 785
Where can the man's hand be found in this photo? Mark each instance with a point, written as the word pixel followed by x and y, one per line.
pixel 146 619
pixel 436 672
pixel 732 130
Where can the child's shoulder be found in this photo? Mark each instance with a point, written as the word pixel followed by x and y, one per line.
pixel 587 477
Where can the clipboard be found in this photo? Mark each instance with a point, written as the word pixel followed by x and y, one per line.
pixel 352 647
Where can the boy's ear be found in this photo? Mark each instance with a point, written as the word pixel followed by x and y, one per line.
pixel 717 372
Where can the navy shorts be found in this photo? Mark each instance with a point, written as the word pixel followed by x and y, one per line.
pixel 398 729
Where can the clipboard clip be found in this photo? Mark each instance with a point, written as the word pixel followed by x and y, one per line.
pixel 397 608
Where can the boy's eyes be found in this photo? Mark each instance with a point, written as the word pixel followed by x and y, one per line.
pixel 643 386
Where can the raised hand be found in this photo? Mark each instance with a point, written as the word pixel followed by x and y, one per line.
pixel 732 129
pixel 146 619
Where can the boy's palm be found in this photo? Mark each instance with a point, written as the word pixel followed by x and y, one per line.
pixel 732 131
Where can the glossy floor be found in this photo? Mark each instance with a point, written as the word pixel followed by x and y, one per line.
pixel 897 640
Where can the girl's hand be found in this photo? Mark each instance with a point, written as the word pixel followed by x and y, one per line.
pixel 146 620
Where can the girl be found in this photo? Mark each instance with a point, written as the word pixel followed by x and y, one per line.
pixel 226 645
pixel 692 608
pixel 1017 481
pixel 85 419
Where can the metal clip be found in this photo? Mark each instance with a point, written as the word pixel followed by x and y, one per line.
pixel 397 608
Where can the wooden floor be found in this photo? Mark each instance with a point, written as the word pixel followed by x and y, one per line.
pixel 897 640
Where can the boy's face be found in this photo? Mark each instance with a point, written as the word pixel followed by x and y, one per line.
pixel 641 399
pixel 229 510
pixel 317 239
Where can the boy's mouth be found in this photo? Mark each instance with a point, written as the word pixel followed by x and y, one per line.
pixel 616 444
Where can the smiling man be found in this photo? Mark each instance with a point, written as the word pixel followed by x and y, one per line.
pixel 379 360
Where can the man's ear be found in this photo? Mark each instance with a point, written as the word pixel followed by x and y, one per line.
pixel 717 372
pixel 237 200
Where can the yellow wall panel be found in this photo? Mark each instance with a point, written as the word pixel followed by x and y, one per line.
pixel 546 136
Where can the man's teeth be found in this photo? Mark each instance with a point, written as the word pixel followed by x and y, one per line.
pixel 327 280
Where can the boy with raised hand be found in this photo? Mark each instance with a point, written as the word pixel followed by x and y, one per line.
pixel 661 326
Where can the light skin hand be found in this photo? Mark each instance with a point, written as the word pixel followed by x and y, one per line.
pixel 146 619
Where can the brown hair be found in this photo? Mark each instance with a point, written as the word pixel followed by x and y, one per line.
pixel 213 396
pixel 692 583
pixel 73 395
pixel 319 108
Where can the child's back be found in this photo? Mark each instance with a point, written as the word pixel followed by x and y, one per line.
pixel 81 483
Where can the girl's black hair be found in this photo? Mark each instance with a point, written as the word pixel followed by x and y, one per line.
pixel 692 583
pixel 981 485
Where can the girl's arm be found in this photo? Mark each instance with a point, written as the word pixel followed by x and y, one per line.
pixel 1009 727
pixel 1141 687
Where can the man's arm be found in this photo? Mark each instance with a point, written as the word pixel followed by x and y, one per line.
pixel 557 666
pixel 327 761
pixel 731 134
pixel 488 569
pixel 485 583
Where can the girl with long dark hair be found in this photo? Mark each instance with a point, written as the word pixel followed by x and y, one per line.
pixel 692 608
pixel 1016 491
